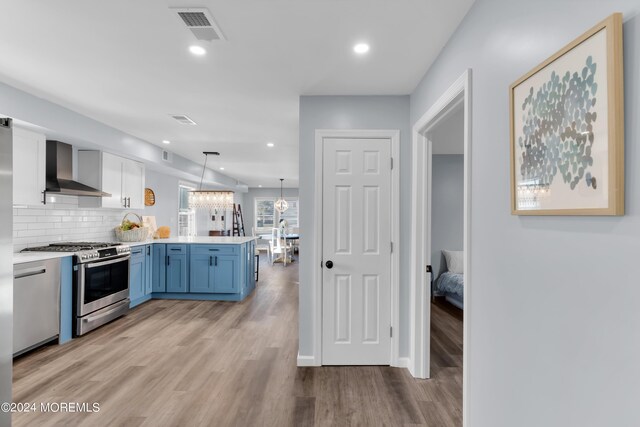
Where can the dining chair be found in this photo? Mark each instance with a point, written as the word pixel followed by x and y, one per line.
pixel 261 244
pixel 277 247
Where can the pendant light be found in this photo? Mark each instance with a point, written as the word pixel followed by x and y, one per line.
pixel 281 204
pixel 210 199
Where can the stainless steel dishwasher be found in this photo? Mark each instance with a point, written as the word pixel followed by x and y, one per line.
pixel 36 304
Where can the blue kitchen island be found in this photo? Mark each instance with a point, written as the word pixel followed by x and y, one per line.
pixel 193 268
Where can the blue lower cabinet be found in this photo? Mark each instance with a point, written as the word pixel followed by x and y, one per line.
pixel 138 275
pixel 202 271
pixel 159 268
pixel 201 277
pixel 177 272
pixel 226 274
pixel 148 285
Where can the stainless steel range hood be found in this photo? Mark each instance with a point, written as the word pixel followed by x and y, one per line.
pixel 60 173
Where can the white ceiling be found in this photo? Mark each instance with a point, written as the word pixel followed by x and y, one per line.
pixel 126 63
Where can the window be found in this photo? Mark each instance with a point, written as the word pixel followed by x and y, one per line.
pixel 186 216
pixel 291 214
pixel 265 213
pixel 268 217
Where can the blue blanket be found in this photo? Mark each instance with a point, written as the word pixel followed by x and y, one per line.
pixel 450 283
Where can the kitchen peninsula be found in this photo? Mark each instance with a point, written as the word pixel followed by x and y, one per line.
pixel 195 268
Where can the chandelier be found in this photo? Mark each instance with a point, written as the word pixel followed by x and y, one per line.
pixel 210 199
pixel 281 204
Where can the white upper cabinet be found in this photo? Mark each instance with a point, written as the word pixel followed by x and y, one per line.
pixel 120 177
pixel 29 167
pixel 133 183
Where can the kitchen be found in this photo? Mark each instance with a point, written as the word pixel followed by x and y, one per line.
pixel 109 277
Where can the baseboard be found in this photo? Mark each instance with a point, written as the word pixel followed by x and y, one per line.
pixel 307 361
pixel 403 362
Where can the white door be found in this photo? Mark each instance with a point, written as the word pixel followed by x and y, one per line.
pixel 112 181
pixel 356 233
pixel 29 157
pixel 133 183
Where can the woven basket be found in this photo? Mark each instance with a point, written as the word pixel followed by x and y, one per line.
pixel 137 235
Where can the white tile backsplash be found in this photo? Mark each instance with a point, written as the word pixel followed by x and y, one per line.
pixel 62 221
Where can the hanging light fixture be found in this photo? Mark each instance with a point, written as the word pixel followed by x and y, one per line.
pixel 210 199
pixel 281 204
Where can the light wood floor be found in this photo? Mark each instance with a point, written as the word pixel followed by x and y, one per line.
pixel 194 363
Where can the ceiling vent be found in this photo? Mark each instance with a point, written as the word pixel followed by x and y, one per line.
pixel 167 156
pixel 201 23
pixel 183 120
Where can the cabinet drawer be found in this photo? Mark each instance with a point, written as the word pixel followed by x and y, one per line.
pixel 176 249
pixel 215 249
pixel 138 251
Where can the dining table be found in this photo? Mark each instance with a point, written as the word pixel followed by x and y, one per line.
pixel 288 237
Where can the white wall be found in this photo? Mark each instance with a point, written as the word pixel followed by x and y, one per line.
pixel 165 210
pixel 553 312
pixel 350 112
pixel 447 212
pixel 248 209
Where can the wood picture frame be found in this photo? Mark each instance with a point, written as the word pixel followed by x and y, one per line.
pixel 566 158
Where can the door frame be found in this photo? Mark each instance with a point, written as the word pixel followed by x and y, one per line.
pixel 459 91
pixel 316 235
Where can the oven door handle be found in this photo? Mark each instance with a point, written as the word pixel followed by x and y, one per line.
pixel 111 261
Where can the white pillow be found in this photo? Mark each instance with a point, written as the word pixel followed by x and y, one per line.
pixel 455 261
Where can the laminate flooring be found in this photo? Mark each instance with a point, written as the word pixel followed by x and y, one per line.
pixel 202 363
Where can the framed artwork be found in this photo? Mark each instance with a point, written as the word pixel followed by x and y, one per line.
pixel 567 129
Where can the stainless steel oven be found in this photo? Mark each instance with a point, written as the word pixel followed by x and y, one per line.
pixel 100 281
pixel 101 284
pixel 101 290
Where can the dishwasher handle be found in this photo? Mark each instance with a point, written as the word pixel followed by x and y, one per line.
pixel 29 272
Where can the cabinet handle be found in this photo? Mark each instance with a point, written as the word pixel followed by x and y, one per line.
pixel 210 260
pixel 148 250
pixel 216 260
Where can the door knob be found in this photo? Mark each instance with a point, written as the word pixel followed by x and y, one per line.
pixel 329 264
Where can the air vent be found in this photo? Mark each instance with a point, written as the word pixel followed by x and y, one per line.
pixel 194 19
pixel 183 120
pixel 166 156
pixel 201 23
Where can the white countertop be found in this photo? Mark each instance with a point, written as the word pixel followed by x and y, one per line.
pixel 23 257
pixel 202 240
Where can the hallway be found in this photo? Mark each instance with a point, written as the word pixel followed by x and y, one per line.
pixel 197 363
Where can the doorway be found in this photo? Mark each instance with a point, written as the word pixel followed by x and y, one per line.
pixel 456 98
pixel 357 211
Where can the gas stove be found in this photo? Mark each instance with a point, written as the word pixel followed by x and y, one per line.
pixel 85 251
pixel 100 281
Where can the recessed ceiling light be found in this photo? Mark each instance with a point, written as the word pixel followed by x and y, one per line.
pixel 270 144
pixel 221 169
pixel 197 50
pixel 361 48
pixel 260 186
pixel 166 141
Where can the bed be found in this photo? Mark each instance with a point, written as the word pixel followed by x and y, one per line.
pixel 450 281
